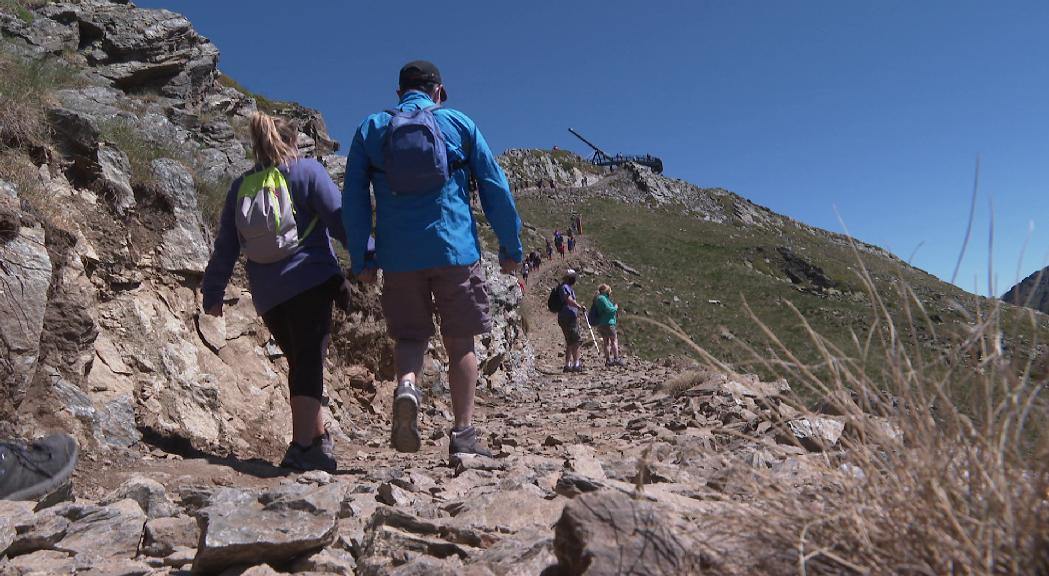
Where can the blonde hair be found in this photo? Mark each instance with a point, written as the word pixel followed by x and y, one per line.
pixel 604 289
pixel 273 140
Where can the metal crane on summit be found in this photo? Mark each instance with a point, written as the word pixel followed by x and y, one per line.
pixel 600 158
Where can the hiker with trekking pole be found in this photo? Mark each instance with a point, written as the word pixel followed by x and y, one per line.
pixel 562 300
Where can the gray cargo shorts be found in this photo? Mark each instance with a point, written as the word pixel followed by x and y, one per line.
pixel 456 293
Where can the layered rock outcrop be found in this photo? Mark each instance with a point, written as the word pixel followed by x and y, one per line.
pixel 100 307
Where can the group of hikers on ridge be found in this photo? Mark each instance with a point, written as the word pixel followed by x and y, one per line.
pixel 602 315
pixel 563 241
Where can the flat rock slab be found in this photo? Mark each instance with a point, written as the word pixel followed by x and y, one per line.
pixel 39 562
pixel 112 531
pixel 610 533
pixel 85 530
pixel 12 514
pixel 249 528
pixel 508 511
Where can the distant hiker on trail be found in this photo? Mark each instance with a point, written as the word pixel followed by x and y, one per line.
pixel 586 182
pixel 549 249
pixel 417 159
pixel 559 242
pixel 282 215
pixel 571 243
pixel 524 272
pixel 563 301
pixel 602 316
pixel 578 224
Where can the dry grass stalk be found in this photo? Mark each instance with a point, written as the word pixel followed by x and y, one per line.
pixel 958 483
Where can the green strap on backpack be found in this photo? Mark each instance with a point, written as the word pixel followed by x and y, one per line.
pixel 265 217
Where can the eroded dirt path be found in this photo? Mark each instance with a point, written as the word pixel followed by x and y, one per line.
pixel 600 424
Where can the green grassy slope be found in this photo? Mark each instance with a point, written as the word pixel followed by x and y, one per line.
pixel 686 263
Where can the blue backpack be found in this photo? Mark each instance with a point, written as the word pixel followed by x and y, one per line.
pixel 415 152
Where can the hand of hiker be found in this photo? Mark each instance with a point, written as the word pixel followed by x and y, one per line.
pixel 215 310
pixel 367 276
pixel 507 266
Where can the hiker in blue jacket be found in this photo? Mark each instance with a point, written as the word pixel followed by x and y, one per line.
pixel 293 283
pixel 426 240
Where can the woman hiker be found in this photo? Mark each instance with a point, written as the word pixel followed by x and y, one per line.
pixel 603 314
pixel 282 215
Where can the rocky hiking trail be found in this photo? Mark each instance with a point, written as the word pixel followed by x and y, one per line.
pixel 605 472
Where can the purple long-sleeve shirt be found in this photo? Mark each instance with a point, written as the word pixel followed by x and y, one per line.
pixel 313 194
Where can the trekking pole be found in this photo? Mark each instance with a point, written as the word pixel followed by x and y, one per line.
pixel 592 336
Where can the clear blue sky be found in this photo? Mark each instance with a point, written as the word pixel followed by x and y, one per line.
pixel 877 108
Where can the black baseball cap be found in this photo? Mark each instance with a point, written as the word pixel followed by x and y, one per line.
pixel 419 72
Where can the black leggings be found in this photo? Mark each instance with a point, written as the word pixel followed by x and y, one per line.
pixel 301 327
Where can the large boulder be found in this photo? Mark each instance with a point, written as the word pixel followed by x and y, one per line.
pixel 25 276
pixel 504 354
pixel 137 49
pixel 45 35
pixel 88 531
pixel 183 248
pixel 115 177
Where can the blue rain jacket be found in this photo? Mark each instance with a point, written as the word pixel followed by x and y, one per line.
pixel 415 232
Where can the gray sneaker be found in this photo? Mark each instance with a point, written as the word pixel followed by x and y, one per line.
pixel 465 441
pixel 404 436
pixel 317 456
pixel 32 470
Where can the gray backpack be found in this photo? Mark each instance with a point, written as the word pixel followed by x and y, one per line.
pixel 265 216
pixel 415 154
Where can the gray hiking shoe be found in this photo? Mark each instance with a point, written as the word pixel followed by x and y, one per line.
pixel 404 435
pixel 326 444
pixel 319 455
pixel 30 471
pixel 466 441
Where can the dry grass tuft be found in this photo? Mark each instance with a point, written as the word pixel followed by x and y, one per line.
pixel 141 153
pixel 25 94
pixel 685 381
pixel 35 198
pixel 945 469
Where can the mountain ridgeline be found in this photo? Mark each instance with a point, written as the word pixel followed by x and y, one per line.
pixel 746 284
pixel 1032 292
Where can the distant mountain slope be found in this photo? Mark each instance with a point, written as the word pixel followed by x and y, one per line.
pixel 700 254
pixel 1032 292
